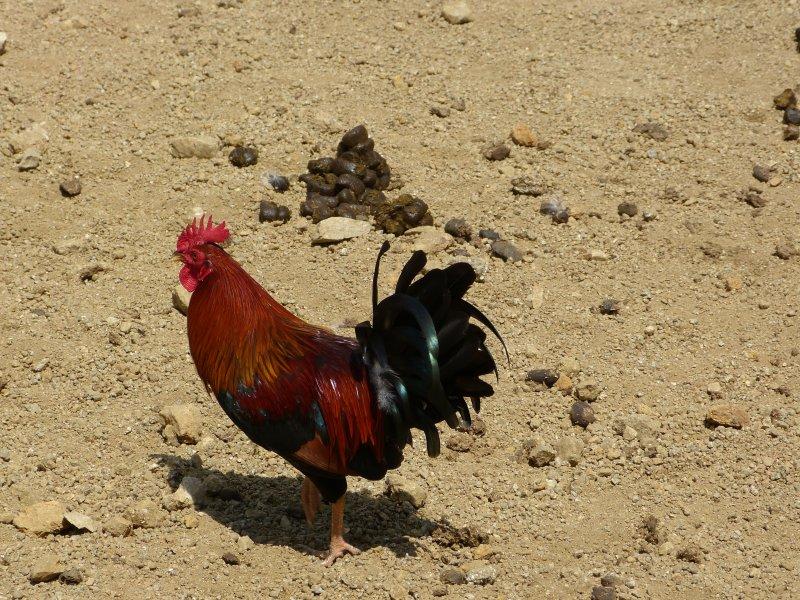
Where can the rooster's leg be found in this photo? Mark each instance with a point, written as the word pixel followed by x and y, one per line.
pixel 338 546
pixel 310 499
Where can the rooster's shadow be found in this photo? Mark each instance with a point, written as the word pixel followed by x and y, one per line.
pixel 267 510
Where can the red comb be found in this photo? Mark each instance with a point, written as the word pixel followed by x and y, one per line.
pixel 197 234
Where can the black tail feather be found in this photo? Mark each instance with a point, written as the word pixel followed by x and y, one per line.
pixel 424 355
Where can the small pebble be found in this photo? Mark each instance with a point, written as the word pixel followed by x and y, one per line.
pixel 456 12
pixel 526 185
pixel 762 173
pixel 29 160
pixel 546 377
pixel 496 152
pixel 71 577
pixel 649 215
pixel 786 99
pixel 458 228
pixel 230 558
pixel 602 592
pixel 791 133
pixel 506 250
pixel 489 234
pixel 791 116
pixel 627 208
pixel 609 306
pixel 522 135
pixel 582 414
pixel 784 251
pixel 727 415
pixel 70 187
pixel 243 156
pixel 440 111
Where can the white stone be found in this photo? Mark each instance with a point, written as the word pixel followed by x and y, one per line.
pixel 457 12
pixel 338 229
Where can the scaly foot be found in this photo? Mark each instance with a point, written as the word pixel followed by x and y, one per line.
pixel 338 549
pixel 310 499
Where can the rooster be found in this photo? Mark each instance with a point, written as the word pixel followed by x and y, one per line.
pixel 334 406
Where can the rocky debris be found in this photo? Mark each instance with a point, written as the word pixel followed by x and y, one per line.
pixel 118 526
pixel 271 212
pixel 29 159
pixel 588 390
pixel 612 580
pixel 506 250
pixel 603 592
pixel 536 453
pixel 791 133
pixel 80 522
pixel 278 182
pixel 145 514
pixel 243 156
pixel 404 213
pixel 569 449
pixel 653 531
pixel 609 306
pixel 791 116
pixel 762 173
pixel 456 12
pixel 231 558
pixel 495 151
pixel 181 298
pixel 350 184
pixel 785 251
pixel 41 518
pixel 546 377
pixel 70 187
pixel 452 576
pixel 338 229
pixel 627 209
pixel 727 415
pixel 448 536
pixel 3 42
pixel 71 577
pixel 690 553
pixel 649 215
pixel 654 131
pixel 522 135
pixel 525 185
pixel 555 207
pixel 429 239
pixel 714 390
pixel 34 136
pixel 47 568
pixel 401 489
pixel 479 572
pixel 458 228
pixel 752 196
pixel 439 110
pixel 194 147
pixel 460 442
pixel 786 99
pixel 185 422
pixel 190 492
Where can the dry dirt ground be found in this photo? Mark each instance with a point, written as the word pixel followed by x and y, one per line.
pixel 709 313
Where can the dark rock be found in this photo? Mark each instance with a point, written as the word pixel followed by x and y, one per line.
pixel 546 377
pixel 653 130
pixel 627 208
pixel 602 592
pixel 791 133
pixel 582 414
pixel 243 156
pixel 458 228
pixel 71 577
pixel 527 186
pixel 496 152
pixel 489 234
pixel 786 99
pixel 270 211
pixel 70 187
pixel 401 214
pixel 506 250
pixel 453 577
pixel 609 306
pixel 791 116
pixel 230 558
pixel 762 173
pixel 279 183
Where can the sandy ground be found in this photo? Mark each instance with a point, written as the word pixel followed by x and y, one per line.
pixel 709 313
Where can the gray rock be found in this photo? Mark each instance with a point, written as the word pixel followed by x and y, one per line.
pixel 71 577
pixel 338 229
pixel 453 577
pixel 30 159
pixel 479 572
pixel 456 12
pixel 762 173
pixel 194 147
pixel 506 250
